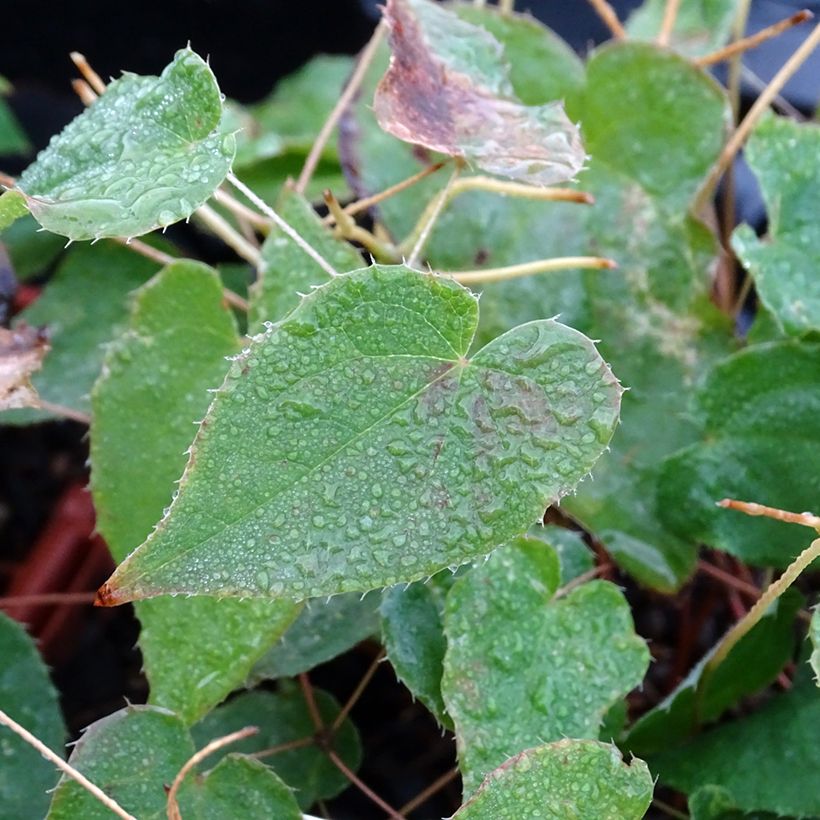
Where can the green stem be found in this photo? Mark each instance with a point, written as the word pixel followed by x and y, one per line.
pixel 229 235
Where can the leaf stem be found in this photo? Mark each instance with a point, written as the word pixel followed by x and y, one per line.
pixel 234 205
pixel 609 17
pixel 363 788
pixel 357 692
pixel 530 268
pixel 805 519
pixel 54 758
pixel 506 7
pixel 366 202
pixel 754 114
pixel 347 228
pixel 288 746
pixel 282 225
pixel 518 189
pixel 144 249
pixel 10 601
pixel 89 75
pixel 335 115
pixel 743 44
pixel 423 796
pixel 65 412
pixel 310 701
pixel 84 91
pixel 670 14
pixel 421 233
pixel 229 235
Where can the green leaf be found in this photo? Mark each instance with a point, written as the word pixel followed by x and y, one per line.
pixel 445 97
pixel 322 631
pixel 353 445
pixel 523 667
pixel 147 154
pixel 83 307
pixel 701 26
pixel 783 156
pixel 136 753
pixel 27 696
pixel 768 761
pixel 12 207
pixel 287 270
pixel 574 556
pixel 815 639
pixel 153 389
pixel 283 717
pixel 413 636
pixel 31 250
pixel 758 412
pixel 563 780
pixel 753 663
pixel 12 137
pixel 716 803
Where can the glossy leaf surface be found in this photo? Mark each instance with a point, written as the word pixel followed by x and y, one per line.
pixel 354 445
pixel 460 101
pixel 783 155
pixel 283 717
pixel 146 154
pixel 135 754
pixel 523 667
pixel 27 696
pixel 757 410
pixel 153 389
pixel 566 779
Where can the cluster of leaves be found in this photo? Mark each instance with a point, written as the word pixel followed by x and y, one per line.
pixel 382 430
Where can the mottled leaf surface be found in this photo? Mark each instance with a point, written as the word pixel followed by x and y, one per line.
pixel 354 445
pixel 283 717
pixel 701 26
pixel 754 662
pixel 783 155
pixel 323 630
pixel 287 271
pixel 153 389
pixel 523 667
pixel 758 412
pixel 27 696
pixel 146 154
pixel 768 760
pixel 84 306
pixel 566 779
pixel 21 354
pixel 460 101
pixel 135 754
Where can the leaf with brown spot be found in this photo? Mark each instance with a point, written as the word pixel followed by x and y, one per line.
pixel 447 88
pixel 21 354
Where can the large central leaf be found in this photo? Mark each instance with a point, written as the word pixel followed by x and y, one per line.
pixel 354 445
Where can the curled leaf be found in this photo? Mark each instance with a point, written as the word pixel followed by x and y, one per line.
pixel 457 100
pixel 21 354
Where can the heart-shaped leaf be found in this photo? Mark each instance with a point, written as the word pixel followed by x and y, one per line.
pixel 783 155
pixel 354 445
pixel 154 387
pixel 26 695
pixel 135 754
pixel 460 101
pixel 562 780
pixel 523 667
pixel 146 154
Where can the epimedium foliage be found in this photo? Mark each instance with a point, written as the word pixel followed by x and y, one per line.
pixel 379 430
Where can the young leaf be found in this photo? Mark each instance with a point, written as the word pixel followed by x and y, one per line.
pixel 460 101
pixel 323 630
pixel 154 387
pixel 566 779
pixel 147 154
pixel 768 761
pixel 83 307
pixel 354 445
pixel 523 667
pixel 783 155
pixel 758 413
pixel 21 354
pixel 283 717
pixel 135 754
pixel 700 27
pixel 27 696
pixel 754 663
pixel 288 271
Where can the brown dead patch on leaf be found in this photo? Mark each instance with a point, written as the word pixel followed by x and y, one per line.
pixel 21 354
pixel 433 98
